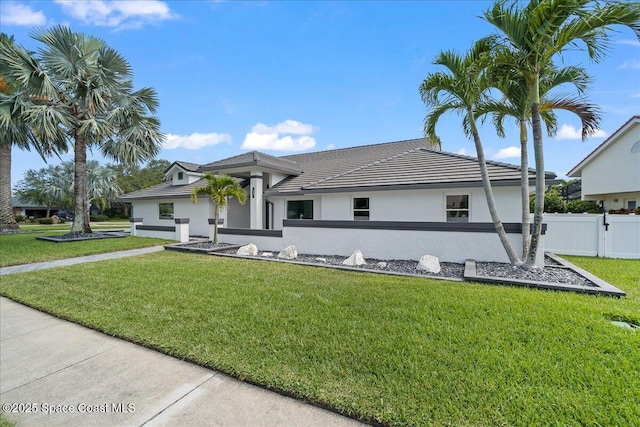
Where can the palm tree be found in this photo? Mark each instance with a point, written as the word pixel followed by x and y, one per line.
pixel 515 104
pixel 90 86
pixel 538 32
pixel 461 89
pixel 16 103
pixel 102 185
pixel 220 189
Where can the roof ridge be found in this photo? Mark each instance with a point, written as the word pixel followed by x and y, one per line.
pixel 395 156
pixel 377 144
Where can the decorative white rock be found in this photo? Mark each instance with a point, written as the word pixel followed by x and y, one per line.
pixel 250 249
pixel 355 259
pixel 381 264
pixel 429 263
pixel 290 252
pixel 267 254
pixel 319 259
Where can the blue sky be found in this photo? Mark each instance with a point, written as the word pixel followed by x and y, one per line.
pixel 291 77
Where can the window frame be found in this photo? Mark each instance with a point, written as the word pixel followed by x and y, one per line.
pixel 465 218
pixel 301 202
pixel 180 176
pixel 160 210
pixel 355 210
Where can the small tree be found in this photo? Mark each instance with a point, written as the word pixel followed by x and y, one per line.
pixel 34 188
pixel 220 189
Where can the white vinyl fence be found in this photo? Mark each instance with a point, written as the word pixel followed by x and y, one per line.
pixel 604 235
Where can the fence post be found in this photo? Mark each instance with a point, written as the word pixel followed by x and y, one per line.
pixel 134 222
pixel 182 229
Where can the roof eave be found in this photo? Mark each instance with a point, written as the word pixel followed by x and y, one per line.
pixel 504 183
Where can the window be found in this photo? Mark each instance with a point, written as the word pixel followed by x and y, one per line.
pixel 458 208
pixel 180 175
pixel 166 210
pixel 631 204
pixel 300 209
pixel 361 208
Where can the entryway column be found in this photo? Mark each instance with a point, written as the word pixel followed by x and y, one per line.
pixel 256 201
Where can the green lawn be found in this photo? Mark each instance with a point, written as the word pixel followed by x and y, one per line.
pixel 25 248
pixel 394 350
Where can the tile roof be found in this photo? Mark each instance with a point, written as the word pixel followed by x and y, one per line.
pixel 381 166
pixel 255 158
pixel 191 167
pixel 166 189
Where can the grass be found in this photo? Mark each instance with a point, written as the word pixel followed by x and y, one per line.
pixel 393 350
pixel 113 223
pixel 4 422
pixel 25 248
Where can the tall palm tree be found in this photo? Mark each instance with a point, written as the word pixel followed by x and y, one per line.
pixel 461 88
pixel 538 32
pixel 515 104
pixel 90 85
pixel 16 104
pixel 220 189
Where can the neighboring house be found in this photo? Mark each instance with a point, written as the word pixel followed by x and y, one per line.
pixel 611 172
pixel 27 209
pixel 392 186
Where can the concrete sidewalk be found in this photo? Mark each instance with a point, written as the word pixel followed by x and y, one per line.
pixel 68 375
pixel 77 260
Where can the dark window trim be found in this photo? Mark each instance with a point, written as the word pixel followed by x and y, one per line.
pixel 469 227
pixel 156 228
pixel 251 232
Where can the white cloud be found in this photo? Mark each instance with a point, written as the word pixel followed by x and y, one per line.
pixel 196 141
pixel 508 153
pixel 22 15
pixel 278 137
pixel 632 64
pixel 570 132
pixel 629 42
pixel 292 127
pixel 462 152
pixel 121 14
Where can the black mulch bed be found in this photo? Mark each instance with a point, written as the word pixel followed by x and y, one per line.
pixel 555 275
pixel 77 237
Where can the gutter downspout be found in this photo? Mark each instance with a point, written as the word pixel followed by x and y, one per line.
pixel 270 214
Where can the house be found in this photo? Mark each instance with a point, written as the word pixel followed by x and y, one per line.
pixel 611 172
pixel 28 209
pixel 373 198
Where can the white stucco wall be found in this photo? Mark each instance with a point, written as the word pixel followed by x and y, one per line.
pixel 426 205
pixel 387 244
pixel 614 170
pixel 237 215
pixel 198 213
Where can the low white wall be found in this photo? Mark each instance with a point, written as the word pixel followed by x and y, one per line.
pixel 448 246
pixel 157 234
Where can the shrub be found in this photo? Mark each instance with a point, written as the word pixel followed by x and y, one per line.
pixel 580 206
pixel 47 221
pixel 61 221
pixel 20 218
pixel 99 218
pixel 624 211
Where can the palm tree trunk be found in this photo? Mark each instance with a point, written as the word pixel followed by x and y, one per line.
pixel 81 218
pixel 215 224
pixel 488 191
pixel 538 209
pixel 7 218
pixel 524 190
